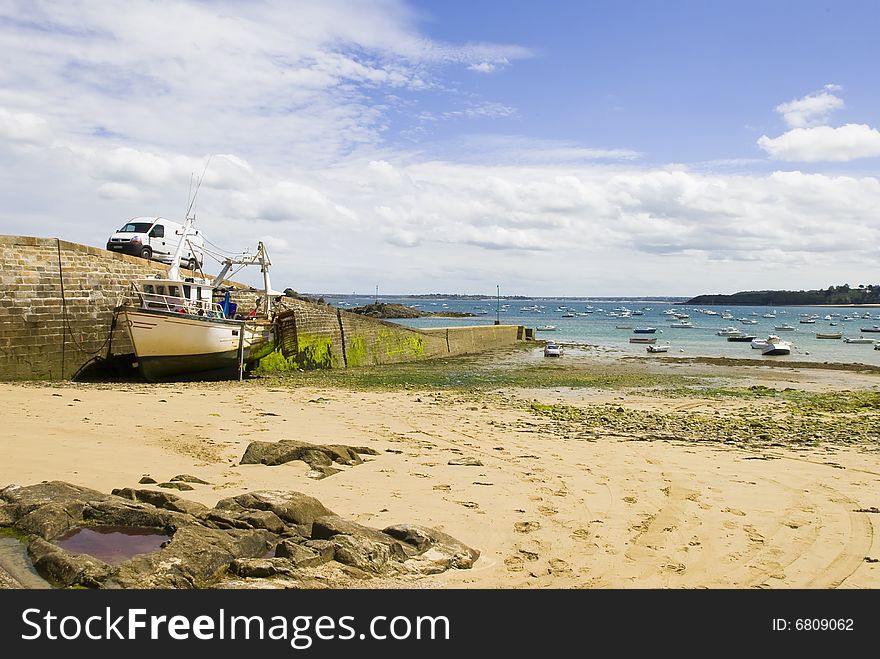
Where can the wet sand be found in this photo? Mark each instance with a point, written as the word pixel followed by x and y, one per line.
pixel 550 507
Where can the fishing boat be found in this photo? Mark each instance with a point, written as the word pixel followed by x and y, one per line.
pixel 188 327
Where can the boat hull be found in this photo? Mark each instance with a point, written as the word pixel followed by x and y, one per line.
pixel 211 366
pixel 176 346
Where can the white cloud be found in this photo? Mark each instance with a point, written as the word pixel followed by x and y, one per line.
pixel 824 143
pixel 23 127
pixel 810 140
pixel 489 67
pixel 291 102
pixel 811 110
pixel 119 191
pixel 481 110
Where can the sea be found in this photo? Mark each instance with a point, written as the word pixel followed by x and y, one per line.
pixel 608 324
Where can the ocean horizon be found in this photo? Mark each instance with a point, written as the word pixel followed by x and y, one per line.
pixel 607 323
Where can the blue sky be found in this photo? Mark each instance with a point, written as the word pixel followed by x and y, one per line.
pixel 557 148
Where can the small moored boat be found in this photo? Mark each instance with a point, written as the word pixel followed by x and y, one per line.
pixel 775 346
pixel 829 335
pixel 657 348
pixel 642 339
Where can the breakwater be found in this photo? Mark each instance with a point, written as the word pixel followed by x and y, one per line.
pixel 57 302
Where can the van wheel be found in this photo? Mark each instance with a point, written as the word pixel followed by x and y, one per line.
pixel 192 264
pixel 146 253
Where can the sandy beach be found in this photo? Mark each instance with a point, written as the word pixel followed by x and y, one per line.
pixel 568 493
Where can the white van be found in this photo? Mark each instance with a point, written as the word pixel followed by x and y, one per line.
pixel 157 238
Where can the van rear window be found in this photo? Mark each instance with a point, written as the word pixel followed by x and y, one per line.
pixel 136 227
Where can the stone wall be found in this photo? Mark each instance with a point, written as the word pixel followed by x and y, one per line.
pixel 56 305
pixel 57 302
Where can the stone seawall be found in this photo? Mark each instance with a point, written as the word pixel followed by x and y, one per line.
pixel 57 302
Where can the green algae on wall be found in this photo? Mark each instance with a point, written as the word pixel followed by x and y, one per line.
pixel 401 344
pixel 314 352
pixel 356 353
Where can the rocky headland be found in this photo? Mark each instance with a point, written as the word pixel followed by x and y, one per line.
pixel 388 310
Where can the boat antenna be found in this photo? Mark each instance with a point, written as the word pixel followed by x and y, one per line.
pixel 198 185
pixel 189 192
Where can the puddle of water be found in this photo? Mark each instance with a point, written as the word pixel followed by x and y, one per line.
pixel 14 559
pixel 112 544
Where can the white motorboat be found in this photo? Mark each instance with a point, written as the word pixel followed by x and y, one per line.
pixel 654 348
pixel 682 325
pixel 729 331
pixel 776 346
pixel 857 339
pixel 759 344
pixel 785 327
pixel 546 328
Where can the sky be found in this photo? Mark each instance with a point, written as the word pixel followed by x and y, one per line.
pixel 561 148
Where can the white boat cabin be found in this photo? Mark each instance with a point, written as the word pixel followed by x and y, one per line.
pixel 187 296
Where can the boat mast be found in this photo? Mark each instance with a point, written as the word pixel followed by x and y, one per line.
pixel 264 268
pixel 174 272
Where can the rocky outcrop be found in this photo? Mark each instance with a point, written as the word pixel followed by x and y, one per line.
pixel 262 539
pixel 318 456
pixel 391 310
pixel 7 581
